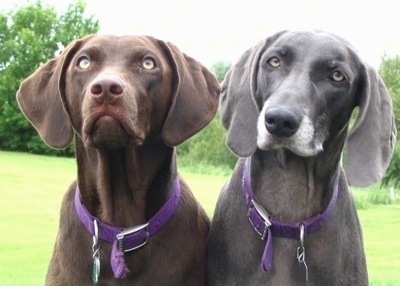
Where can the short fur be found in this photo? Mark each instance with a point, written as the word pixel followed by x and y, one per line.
pixel 127 101
pixel 287 105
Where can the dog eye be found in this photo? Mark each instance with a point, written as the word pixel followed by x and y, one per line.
pixel 337 76
pixel 148 63
pixel 274 62
pixel 84 63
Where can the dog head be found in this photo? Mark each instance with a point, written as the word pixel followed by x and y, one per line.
pixel 297 90
pixel 119 91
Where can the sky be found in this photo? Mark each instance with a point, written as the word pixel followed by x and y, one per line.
pixel 212 30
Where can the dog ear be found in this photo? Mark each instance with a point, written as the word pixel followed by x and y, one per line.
pixel 239 110
pixel 370 144
pixel 40 100
pixel 195 97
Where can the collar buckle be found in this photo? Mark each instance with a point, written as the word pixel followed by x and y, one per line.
pixel 265 216
pixel 133 230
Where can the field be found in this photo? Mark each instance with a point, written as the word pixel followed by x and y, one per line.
pixel 31 189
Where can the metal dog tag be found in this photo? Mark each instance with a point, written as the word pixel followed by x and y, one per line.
pixel 96 269
pixel 96 255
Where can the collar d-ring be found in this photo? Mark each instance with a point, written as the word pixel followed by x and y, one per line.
pixel 302 234
pixel 96 233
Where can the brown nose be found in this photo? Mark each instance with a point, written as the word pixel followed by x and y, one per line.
pixel 107 88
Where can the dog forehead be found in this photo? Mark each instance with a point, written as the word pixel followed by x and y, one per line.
pixel 121 46
pixel 311 41
pixel 311 36
pixel 313 45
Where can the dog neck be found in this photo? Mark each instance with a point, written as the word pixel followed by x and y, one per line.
pixel 267 226
pixel 125 186
pixel 290 187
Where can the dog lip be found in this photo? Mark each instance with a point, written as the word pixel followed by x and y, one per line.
pixel 88 127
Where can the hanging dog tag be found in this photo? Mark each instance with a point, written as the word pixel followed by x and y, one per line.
pixel 96 269
pixel 96 255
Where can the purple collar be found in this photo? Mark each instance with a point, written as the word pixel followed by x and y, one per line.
pixel 267 226
pixel 124 239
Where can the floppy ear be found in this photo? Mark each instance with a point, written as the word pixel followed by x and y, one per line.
pixel 370 144
pixel 194 100
pixel 39 97
pixel 239 111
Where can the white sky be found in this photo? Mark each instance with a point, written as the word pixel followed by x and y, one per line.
pixel 212 30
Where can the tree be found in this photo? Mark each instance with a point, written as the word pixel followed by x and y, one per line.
pixel 389 70
pixel 208 146
pixel 30 36
pixel 220 69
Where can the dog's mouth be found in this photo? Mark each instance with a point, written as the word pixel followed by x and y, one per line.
pixel 108 132
pixel 304 141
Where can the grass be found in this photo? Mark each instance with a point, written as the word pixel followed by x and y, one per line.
pixel 31 189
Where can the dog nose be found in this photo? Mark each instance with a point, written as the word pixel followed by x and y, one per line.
pixel 282 122
pixel 110 88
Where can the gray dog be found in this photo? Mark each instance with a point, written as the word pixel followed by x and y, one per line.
pixel 286 216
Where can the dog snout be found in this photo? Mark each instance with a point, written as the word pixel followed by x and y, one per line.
pixel 107 88
pixel 282 122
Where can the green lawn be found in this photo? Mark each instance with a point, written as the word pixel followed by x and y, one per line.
pixel 31 188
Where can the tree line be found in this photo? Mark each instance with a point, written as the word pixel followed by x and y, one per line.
pixel 31 35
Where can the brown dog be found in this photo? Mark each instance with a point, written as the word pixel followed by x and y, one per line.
pixel 128 100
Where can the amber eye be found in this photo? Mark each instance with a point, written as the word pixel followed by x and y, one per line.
pixel 337 76
pixel 84 63
pixel 148 63
pixel 274 62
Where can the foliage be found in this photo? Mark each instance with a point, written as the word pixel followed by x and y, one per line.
pixel 365 198
pixel 208 146
pixel 220 69
pixel 390 72
pixel 30 36
pixel 392 175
